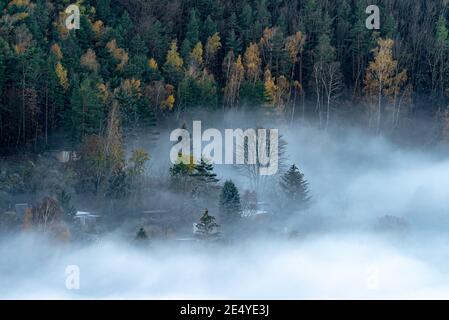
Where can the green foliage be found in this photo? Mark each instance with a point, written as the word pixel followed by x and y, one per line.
pixel 295 187
pixel 33 106
pixel 229 202
pixel 87 112
pixel 442 35
pixel 252 94
pixel 197 92
pixel 192 35
pixel 204 179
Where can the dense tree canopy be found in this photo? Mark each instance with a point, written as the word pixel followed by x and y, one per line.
pixel 154 57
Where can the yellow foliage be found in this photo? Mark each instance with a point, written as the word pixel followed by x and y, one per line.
pixel 62 75
pixel 118 53
pixel 19 3
pixel 152 64
pixel 294 45
pixel 56 49
pixel 213 44
pixel 189 160
pixel 277 90
pixel 139 156
pixel 24 39
pixel 104 92
pixel 266 42
pixel 169 102
pixel 234 79
pixel 252 62
pixel 383 79
pixel 131 86
pixel 382 74
pixel 98 27
pixel 270 88
pixel 196 56
pixel 173 58
pixel 20 16
pixel 89 60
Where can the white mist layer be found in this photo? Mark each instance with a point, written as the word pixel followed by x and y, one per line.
pixel 354 180
pixel 329 267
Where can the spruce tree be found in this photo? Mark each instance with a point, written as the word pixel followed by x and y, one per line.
pixel 86 115
pixel 207 225
pixel 208 29
pixel 233 42
pixel 295 187
pixel 230 201
pixel 205 180
pixel 141 235
pixel 192 35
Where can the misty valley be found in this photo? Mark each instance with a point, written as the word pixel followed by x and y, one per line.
pixel 365 210
pixel 218 149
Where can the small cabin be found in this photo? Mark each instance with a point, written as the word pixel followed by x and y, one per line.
pixel 86 218
pixel 64 156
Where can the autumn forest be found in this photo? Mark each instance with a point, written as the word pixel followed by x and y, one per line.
pixel 149 59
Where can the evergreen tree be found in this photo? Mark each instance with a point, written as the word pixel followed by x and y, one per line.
pixel 230 202
pixel 209 29
pixel 141 235
pixel 207 225
pixel 103 10
pixel 295 187
pixel 192 35
pixel 233 42
pixel 263 19
pixel 246 23
pixel 87 114
pixel 157 41
pixel 205 180
pixel 180 174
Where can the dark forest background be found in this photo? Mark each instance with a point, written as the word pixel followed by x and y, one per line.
pixel 135 62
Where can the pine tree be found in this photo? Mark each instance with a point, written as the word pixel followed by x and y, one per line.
pixel 295 187
pixel 229 202
pixel 141 235
pixel 233 42
pixel 246 23
pixel 213 45
pixel 204 178
pixel 207 225
pixel 209 29
pixel 157 41
pixel 263 19
pixel 87 114
pixel 180 174
pixel 252 63
pixel 103 9
pixel 192 35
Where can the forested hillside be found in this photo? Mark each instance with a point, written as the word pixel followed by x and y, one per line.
pixel 146 59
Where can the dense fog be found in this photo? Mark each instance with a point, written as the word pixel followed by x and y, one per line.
pixel 376 228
